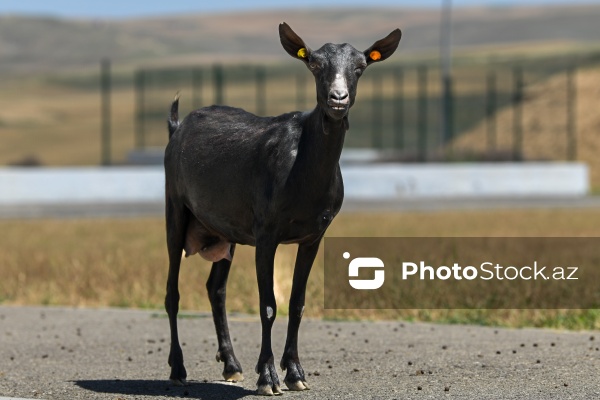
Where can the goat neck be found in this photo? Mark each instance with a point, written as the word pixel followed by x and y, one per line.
pixel 320 147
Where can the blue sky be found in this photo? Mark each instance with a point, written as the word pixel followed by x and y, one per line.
pixel 131 8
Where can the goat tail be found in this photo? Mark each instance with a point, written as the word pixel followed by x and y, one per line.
pixel 173 121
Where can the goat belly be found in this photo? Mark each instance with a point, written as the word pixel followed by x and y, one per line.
pixel 210 247
pixel 307 229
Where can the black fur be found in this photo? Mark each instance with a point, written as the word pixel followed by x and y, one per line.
pixel 262 181
pixel 173 121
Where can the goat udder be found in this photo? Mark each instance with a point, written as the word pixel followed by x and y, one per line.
pixel 217 251
pixel 214 252
pixel 210 247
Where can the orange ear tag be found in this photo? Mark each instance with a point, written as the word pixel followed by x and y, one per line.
pixel 302 53
pixel 375 55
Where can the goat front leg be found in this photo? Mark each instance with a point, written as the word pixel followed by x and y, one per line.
pixel 268 381
pixel 294 378
pixel 216 287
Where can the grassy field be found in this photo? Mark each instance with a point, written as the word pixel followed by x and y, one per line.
pixel 545 122
pixel 60 125
pixel 123 263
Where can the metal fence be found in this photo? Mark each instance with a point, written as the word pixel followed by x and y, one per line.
pixel 398 107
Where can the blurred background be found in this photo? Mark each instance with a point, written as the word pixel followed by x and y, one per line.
pixel 488 80
pixel 90 84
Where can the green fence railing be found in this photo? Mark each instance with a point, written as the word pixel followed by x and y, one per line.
pixel 397 107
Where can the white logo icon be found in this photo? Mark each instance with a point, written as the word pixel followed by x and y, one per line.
pixel 365 262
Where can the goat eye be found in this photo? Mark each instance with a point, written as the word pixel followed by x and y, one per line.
pixel 313 66
pixel 359 71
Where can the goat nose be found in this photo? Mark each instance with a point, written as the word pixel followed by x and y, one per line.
pixel 338 95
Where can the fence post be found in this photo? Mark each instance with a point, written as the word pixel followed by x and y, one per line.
pixel 105 93
pixel 490 111
pixel 218 79
pixel 422 113
pixel 139 91
pixel 447 108
pixel 376 112
pixel 197 83
pixel 399 108
pixel 571 115
pixel 518 113
pixel 261 91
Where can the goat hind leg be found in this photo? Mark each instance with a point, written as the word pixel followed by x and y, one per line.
pixel 216 287
pixel 177 220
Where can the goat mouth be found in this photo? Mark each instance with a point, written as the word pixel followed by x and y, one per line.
pixel 338 108
pixel 338 104
pixel 337 112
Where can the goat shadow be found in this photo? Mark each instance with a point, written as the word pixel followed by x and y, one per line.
pixel 139 387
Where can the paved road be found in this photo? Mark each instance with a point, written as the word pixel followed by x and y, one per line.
pixel 64 353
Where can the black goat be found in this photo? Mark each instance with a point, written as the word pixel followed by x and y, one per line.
pixel 233 177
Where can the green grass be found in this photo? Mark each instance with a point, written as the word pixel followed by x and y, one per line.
pixel 123 263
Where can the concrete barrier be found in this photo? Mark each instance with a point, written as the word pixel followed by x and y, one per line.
pixel 361 182
pixel 81 185
pixel 389 181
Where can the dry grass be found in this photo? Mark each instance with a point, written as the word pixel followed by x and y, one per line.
pixel 60 125
pixel 545 122
pixel 122 262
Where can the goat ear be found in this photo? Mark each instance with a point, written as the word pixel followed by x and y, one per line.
pixel 383 48
pixel 292 43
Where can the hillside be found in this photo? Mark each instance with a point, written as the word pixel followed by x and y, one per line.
pixel 544 123
pixel 39 44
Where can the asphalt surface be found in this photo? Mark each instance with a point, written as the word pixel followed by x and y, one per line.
pixel 66 353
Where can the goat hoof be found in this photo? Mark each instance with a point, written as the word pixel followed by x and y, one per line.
pixel 232 371
pixel 294 379
pixel 267 390
pixel 179 382
pixel 233 376
pixel 296 386
pixel 268 381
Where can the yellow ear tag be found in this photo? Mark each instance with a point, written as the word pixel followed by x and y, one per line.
pixel 302 53
pixel 375 55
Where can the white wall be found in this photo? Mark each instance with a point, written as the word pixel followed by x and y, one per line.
pixel 81 185
pixel 361 182
pixel 388 181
